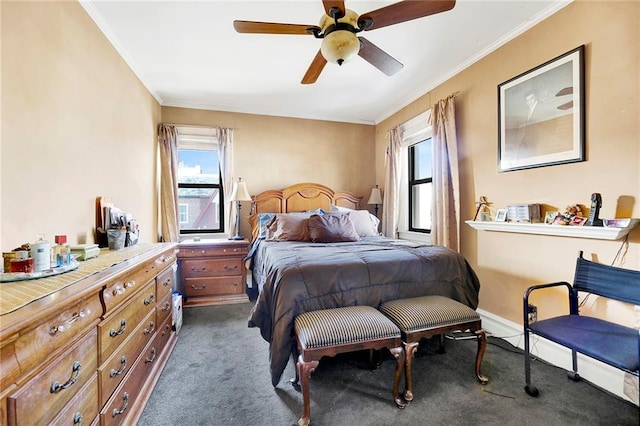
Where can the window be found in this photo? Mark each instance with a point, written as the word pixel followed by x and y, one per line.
pixel 420 186
pixel 200 195
pixel 414 208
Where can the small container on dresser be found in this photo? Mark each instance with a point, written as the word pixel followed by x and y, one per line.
pixel 212 272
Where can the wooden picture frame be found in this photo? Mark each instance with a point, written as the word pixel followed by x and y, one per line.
pixel 541 115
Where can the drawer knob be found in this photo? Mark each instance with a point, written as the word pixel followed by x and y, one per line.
pixel 199 288
pixel 123 326
pixel 123 362
pixel 153 356
pixel 77 419
pixel 75 372
pixel 125 398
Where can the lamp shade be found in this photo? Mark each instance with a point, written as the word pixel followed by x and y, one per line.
pixel 240 192
pixel 340 46
pixel 376 196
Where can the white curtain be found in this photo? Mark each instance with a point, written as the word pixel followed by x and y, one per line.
pixel 445 230
pixel 168 146
pixel 392 184
pixel 225 154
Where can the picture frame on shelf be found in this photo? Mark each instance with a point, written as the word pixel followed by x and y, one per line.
pixel 501 215
pixel 549 217
pixel 541 115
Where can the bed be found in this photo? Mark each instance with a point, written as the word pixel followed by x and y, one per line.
pixel 304 256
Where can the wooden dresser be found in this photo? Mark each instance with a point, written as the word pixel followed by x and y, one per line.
pixel 87 347
pixel 212 271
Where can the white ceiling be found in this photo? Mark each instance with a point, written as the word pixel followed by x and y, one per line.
pixel 188 54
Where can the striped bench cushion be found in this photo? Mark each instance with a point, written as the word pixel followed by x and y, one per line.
pixel 419 313
pixel 338 326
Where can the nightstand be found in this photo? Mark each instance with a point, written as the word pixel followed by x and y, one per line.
pixel 212 271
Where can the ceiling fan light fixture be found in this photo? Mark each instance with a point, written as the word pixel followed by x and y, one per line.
pixel 340 46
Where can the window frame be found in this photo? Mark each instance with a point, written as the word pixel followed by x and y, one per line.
pixel 203 139
pixel 413 131
pixel 412 182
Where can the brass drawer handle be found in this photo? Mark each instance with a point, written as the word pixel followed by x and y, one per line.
pixel 153 356
pixel 166 282
pixel 151 329
pixel 77 419
pixel 123 361
pixel 67 324
pixel 123 326
pixel 75 372
pixel 228 268
pixel 202 269
pixel 199 288
pixel 125 398
pixel 166 307
pixel 149 301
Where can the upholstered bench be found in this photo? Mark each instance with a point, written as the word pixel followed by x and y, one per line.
pixel 428 316
pixel 328 332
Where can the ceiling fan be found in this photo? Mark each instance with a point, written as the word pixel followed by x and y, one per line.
pixel 338 29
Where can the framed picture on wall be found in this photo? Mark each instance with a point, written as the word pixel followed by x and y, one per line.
pixel 541 115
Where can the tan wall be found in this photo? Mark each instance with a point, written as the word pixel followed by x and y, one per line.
pixel 76 124
pixel 275 152
pixel 507 263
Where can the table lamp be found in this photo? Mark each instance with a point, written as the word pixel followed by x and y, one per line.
pixel 239 194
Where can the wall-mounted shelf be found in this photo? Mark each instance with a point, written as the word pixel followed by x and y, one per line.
pixel 596 232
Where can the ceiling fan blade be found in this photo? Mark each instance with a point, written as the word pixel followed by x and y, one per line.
pixel 316 67
pixel 274 28
pixel 568 105
pixel 404 11
pixel 378 57
pixel 565 91
pixel 328 4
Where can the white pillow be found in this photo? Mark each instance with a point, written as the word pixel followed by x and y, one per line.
pixel 366 224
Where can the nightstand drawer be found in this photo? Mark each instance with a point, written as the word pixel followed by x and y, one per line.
pixel 196 287
pixel 229 250
pixel 212 267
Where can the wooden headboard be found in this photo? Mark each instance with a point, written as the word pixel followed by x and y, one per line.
pixel 302 197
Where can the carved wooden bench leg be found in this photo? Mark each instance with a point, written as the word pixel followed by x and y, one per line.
pixel 410 350
pixel 482 345
pixel 303 371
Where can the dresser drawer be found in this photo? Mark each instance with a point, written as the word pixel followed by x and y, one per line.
pixel 164 308
pixel 162 337
pixel 55 386
pixel 195 268
pixel 195 287
pixel 53 333
pixel 164 283
pixel 111 373
pixel 82 409
pixel 218 250
pixel 113 331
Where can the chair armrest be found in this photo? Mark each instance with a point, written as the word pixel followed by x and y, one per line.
pixel 531 289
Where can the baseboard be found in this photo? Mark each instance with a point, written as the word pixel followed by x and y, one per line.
pixel 600 374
